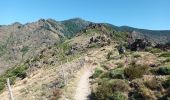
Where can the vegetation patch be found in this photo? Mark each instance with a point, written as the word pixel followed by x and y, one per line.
pixel 135 71
pixel 109 55
pixel 164 70
pixel 12 74
pixel 112 90
pixel 165 54
pixel 117 73
pixel 153 84
pixel 166 83
pixel 142 94
pixel 97 72
pixel 155 50
pixel 136 55
pixel 24 50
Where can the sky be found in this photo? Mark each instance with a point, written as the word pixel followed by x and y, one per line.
pixel 146 14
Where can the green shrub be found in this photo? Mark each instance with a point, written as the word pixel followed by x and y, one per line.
pixel 24 50
pixel 2 85
pixel 142 94
pixel 166 83
pixel 119 96
pixel 17 71
pixel 166 60
pixel 155 50
pixel 120 64
pixel 117 73
pixel 165 54
pixel 97 72
pixel 136 55
pixel 12 74
pixel 119 85
pixel 109 55
pixel 148 49
pixel 135 71
pixel 153 84
pixel 104 91
pixel 164 70
pixel 105 75
pixel 111 90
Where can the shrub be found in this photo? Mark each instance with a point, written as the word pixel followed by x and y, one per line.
pixel 104 91
pixel 119 96
pixel 12 74
pixel 2 85
pixel 24 50
pixel 165 54
pixel 56 94
pixel 166 83
pixel 97 72
pixel 119 85
pixel 17 71
pixel 155 50
pixel 111 90
pixel 136 55
pixel 164 70
pixel 135 71
pixel 120 64
pixel 105 75
pixel 117 73
pixel 142 94
pixel 148 49
pixel 166 60
pixel 109 55
pixel 153 84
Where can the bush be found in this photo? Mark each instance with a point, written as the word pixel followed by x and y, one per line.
pixel 105 75
pixel 120 64
pixel 166 60
pixel 153 84
pixel 155 50
pixel 164 70
pixel 24 50
pixel 135 71
pixel 17 71
pixel 142 94
pixel 117 73
pixel 165 54
pixel 109 55
pixel 119 96
pixel 166 83
pixel 111 90
pixel 97 72
pixel 136 55
pixel 56 94
pixel 120 85
pixel 104 91
pixel 12 74
pixel 2 85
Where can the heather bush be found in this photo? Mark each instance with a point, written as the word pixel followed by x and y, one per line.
pixel 135 71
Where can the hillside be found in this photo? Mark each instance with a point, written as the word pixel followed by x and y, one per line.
pixel 19 42
pixel 49 60
pixel 157 36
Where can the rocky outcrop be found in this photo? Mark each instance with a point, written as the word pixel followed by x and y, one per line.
pixel 99 41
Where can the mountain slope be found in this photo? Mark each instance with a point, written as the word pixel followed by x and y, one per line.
pixel 19 42
pixel 157 36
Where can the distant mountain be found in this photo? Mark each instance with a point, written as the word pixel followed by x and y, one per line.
pixel 157 36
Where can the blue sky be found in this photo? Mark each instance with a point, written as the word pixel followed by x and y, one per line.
pixel 148 14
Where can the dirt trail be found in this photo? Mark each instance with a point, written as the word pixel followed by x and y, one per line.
pixel 83 87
